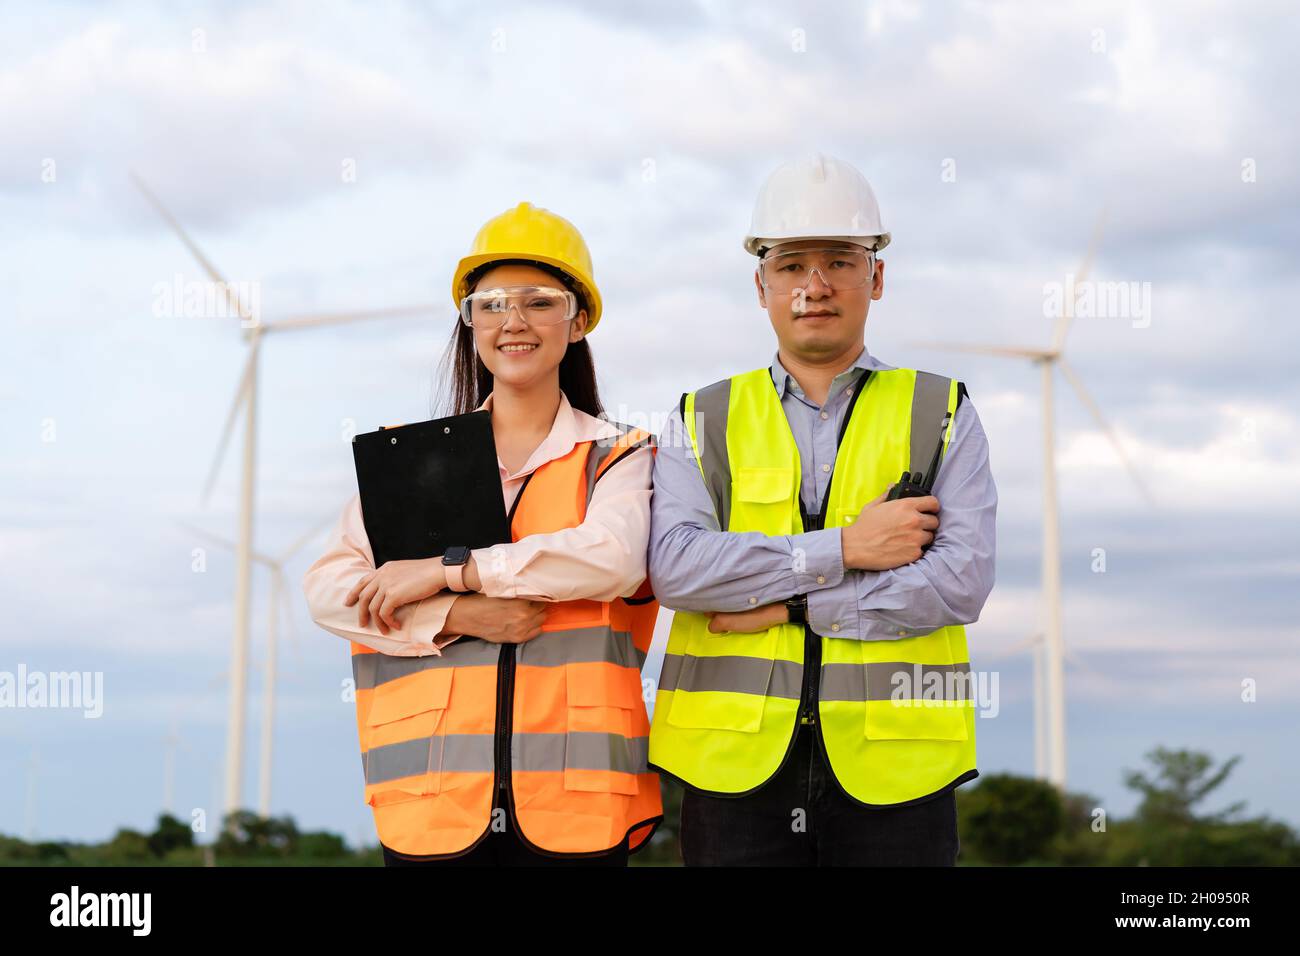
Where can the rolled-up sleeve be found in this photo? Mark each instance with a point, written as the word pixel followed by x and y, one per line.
pixel 952 579
pixel 600 559
pixel 347 559
pixel 696 566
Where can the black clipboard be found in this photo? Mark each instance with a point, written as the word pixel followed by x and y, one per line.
pixel 429 486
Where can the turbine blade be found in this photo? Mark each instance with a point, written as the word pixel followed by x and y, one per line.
pixel 1080 663
pixel 1018 647
pixel 191 245
pixel 241 395
pixel 1080 277
pixel 1100 419
pixel 1006 350
pixel 306 536
pixel 1093 244
pixel 227 543
pixel 337 318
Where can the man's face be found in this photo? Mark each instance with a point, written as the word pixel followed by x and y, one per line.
pixel 816 320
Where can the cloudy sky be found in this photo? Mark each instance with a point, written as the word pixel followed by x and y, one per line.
pixel 342 157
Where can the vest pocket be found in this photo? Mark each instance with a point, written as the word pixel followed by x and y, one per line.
pixel 406 734
pixel 762 486
pixel 761 498
pixel 915 710
pixel 601 752
pixel 916 720
pixel 723 692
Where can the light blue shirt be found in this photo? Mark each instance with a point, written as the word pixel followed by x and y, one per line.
pixel 695 566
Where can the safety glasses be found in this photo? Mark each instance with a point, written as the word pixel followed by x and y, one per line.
pixel 536 305
pixel 841 269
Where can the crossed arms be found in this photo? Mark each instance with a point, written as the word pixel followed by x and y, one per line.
pixel 862 582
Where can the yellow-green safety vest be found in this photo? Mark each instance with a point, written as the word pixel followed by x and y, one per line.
pixel 895 717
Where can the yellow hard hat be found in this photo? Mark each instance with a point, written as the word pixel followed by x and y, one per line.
pixel 530 232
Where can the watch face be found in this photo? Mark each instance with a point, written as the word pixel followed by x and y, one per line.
pixel 459 554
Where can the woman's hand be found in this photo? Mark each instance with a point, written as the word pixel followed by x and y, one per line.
pixel 759 619
pixel 498 620
pixel 381 592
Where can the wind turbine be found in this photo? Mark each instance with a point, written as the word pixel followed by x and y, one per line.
pixel 254 329
pixel 279 603
pixel 1047 360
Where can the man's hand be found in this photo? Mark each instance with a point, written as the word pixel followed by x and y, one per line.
pixel 889 534
pixel 498 620
pixel 759 619
pixel 380 593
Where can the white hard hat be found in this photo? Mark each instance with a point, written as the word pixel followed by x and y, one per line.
pixel 816 197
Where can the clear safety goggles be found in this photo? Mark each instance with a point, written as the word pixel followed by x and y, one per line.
pixel 536 305
pixel 841 269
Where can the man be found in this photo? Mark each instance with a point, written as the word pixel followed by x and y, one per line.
pixel 815 695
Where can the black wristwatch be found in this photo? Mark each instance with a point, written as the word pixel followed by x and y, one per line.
pixel 797 607
pixel 456 554
pixel 454 559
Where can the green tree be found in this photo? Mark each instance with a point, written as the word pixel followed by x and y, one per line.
pixel 321 845
pixel 1166 831
pixel 1009 819
pixel 1078 843
pixel 170 834
pixel 1183 779
pixel 128 845
pixel 245 833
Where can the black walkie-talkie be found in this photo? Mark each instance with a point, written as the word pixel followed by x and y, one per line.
pixel 913 484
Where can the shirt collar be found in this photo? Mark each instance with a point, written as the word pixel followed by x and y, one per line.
pixel 865 360
pixel 571 425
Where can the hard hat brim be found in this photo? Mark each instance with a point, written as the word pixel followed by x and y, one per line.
pixel 755 244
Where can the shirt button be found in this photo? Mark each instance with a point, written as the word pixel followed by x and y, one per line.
pixel 826 467
pixel 848 391
pixel 824 416
pixel 821 579
pixel 753 600
pixel 901 633
pixel 835 627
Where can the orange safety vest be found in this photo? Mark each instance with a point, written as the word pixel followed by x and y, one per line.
pixel 556 724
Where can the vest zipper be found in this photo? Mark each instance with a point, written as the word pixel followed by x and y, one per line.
pixel 505 722
pixel 812 644
pixel 811 673
pixel 506 698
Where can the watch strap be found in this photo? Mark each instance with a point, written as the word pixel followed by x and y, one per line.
pixel 797 607
pixel 455 576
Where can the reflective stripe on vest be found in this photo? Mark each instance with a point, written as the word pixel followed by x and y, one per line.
pixel 896 716
pixel 428 726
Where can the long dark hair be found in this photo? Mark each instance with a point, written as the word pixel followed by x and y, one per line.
pixel 466 381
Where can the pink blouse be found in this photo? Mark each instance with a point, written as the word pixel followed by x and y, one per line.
pixel 602 558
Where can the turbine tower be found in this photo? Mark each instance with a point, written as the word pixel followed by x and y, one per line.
pixel 254 329
pixel 277 605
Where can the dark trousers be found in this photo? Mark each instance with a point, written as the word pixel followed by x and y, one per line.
pixel 504 848
pixel 801 817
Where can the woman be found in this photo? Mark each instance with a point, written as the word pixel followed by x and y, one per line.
pixel 499 702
